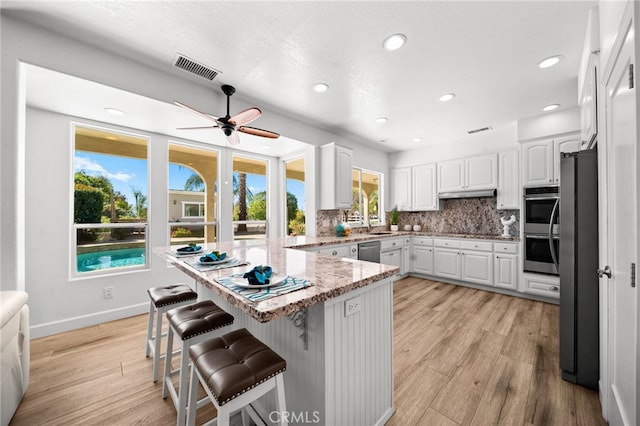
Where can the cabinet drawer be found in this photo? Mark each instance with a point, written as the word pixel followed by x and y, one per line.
pixel 542 286
pixel 340 251
pixel 419 241
pixel 446 243
pixel 505 248
pixel 390 243
pixel 476 245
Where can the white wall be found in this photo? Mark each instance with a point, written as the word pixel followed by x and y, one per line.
pixel 58 303
pixel 545 125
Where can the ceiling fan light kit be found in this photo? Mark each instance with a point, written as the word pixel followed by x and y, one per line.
pixel 230 125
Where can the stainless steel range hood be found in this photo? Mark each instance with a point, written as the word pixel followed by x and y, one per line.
pixel 467 194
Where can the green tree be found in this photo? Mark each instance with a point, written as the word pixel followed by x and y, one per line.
pixel 140 207
pixel 257 209
pixel 296 225
pixel 87 208
pixel 292 206
pixel 194 183
pixel 243 195
pixel 373 203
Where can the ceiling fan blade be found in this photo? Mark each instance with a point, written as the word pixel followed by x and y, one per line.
pixel 233 138
pixel 245 117
pixel 258 132
pixel 215 126
pixel 195 111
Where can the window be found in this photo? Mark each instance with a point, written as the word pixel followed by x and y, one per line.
pixel 250 198
pixel 366 205
pixel 110 188
pixel 192 210
pixel 295 196
pixel 193 177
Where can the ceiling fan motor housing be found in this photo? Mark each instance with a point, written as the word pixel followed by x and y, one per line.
pixel 228 129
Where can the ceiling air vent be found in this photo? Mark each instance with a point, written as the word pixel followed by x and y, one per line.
pixel 482 129
pixel 194 67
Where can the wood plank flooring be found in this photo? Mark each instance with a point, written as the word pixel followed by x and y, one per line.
pixel 461 357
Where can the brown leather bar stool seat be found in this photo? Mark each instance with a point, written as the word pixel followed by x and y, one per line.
pixel 193 324
pixel 162 299
pixel 235 370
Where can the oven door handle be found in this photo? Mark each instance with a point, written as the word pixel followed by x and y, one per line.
pixel 541 198
pixel 554 256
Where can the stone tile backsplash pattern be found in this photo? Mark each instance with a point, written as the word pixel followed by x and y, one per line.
pixel 474 216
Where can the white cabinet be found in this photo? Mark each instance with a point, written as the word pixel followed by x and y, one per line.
pixel 541 160
pixel 468 174
pixel 336 185
pixel 406 256
pixel 339 251
pixel 509 187
pixel 392 257
pixel 476 267
pixel 422 255
pixel 505 271
pixel 414 188
pixel 446 263
pixel 401 188
pixel 353 251
pixel 588 105
pixel 424 190
pixel 541 285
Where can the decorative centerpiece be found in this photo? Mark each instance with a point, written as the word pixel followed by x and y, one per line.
pixel 394 217
pixel 506 224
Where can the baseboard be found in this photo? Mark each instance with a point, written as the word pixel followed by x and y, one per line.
pixel 83 321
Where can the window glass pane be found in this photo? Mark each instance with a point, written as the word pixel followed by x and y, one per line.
pixel 110 191
pixel 294 170
pixel 250 208
pixel 193 177
pixel 366 201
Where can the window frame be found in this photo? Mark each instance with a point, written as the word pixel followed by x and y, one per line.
pixel 360 213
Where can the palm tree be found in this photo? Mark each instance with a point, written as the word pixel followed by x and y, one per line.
pixel 242 201
pixel 140 208
pixel 194 183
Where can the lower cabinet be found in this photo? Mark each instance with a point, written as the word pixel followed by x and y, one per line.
pixel 446 263
pixel 541 285
pixel 392 257
pixel 423 260
pixel 340 251
pixel 477 267
pixel 505 270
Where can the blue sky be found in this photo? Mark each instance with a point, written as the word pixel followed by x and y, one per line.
pixel 127 174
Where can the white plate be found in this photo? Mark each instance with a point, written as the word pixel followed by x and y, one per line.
pixel 276 279
pixel 187 253
pixel 216 262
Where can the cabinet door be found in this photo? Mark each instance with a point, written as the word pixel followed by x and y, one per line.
pixel 477 267
pixel 451 175
pixel 392 257
pixel 406 260
pixel 481 172
pixel 423 260
pixel 339 251
pixel 344 180
pixel 425 193
pixel 446 263
pixel 505 269
pixel 541 285
pixel 538 163
pixel 508 180
pixel 401 188
pixel 570 144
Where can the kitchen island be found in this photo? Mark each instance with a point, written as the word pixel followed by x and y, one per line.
pixel 335 334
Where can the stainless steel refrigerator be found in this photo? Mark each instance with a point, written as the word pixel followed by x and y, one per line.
pixel 578 264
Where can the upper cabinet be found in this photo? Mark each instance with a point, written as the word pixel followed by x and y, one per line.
pixel 337 182
pixel 414 188
pixel 468 174
pixel 541 160
pixel 588 110
pixel 508 180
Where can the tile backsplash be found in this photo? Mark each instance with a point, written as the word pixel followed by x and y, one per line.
pixel 474 216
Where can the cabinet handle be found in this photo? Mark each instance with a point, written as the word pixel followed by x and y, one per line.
pixel 334 253
pixel 554 288
pixel 550 180
pixel 497 257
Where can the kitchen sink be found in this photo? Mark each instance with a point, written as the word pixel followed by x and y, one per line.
pixel 381 233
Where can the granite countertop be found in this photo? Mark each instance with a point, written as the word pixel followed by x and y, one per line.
pixel 329 276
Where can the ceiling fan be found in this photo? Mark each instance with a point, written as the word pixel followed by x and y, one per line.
pixel 230 125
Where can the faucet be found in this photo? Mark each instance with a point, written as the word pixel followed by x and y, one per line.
pixel 369 223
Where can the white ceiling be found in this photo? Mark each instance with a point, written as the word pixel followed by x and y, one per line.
pixel 274 52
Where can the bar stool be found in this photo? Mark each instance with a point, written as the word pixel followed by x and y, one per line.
pixel 235 370
pixel 162 299
pixel 192 324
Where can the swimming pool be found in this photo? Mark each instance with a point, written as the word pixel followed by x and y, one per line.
pixel 108 259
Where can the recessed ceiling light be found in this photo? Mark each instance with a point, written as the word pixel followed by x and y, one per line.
pixel 394 41
pixel 550 61
pixel 115 112
pixel 381 120
pixel 383 140
pixel 447 97
pixel 320 87
pixel 417 139
pixel 551 107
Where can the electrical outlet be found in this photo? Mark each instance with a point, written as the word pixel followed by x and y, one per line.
pixel 352 306
pixel 107 292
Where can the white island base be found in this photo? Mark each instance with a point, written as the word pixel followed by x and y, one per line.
pixel 344 374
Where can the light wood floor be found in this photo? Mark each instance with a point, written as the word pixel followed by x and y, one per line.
pixel 461 356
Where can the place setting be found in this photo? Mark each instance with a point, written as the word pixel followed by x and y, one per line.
pixel 261 283
pixel 215 260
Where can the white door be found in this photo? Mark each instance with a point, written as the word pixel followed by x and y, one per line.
pixel 401 188
pixel 425 195
pixel 481 172
pixel 451 175
pixel 622 231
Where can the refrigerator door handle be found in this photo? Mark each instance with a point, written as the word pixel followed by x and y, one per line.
pixel 554 256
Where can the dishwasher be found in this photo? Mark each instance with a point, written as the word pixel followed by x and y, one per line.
pixel 369 251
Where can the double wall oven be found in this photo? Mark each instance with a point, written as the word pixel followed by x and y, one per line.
pixel 541 229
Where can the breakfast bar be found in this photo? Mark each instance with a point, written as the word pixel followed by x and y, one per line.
pixel 334 329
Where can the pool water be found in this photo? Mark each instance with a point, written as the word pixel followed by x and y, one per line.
pixel 107 259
